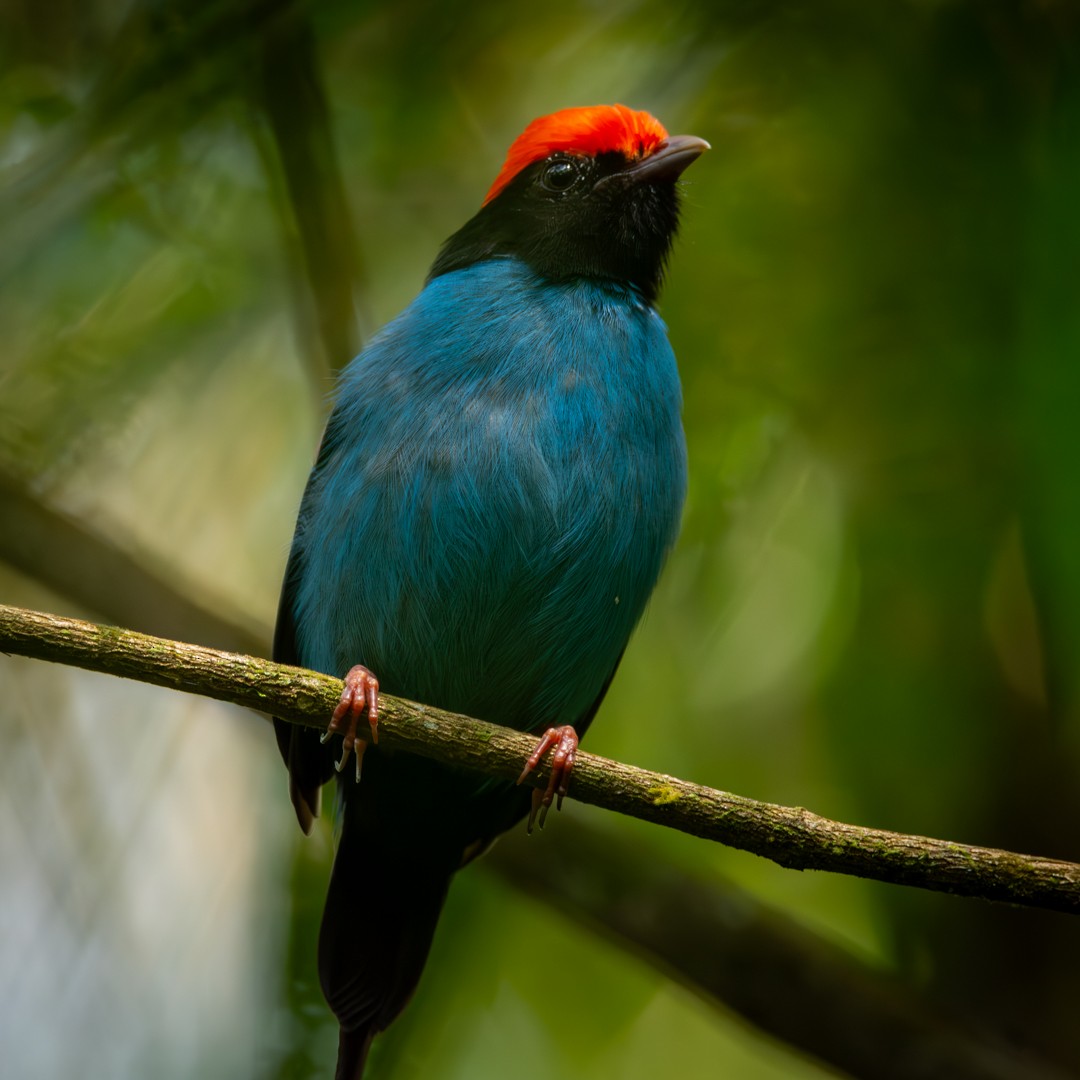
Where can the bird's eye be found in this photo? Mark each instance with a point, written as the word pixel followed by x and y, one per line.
pixel 560 175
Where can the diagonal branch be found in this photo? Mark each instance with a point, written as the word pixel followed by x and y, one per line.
pixel 792 837
pixel 74 559
pixel 732 950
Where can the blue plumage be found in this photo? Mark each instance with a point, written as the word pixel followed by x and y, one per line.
pixel 499 484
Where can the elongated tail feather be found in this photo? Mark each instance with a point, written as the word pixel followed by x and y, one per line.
pixel 379 920
pixel 353 1047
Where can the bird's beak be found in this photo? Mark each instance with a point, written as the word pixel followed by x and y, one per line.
pixel 668 160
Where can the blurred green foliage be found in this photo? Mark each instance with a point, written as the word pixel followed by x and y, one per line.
pixel 874 609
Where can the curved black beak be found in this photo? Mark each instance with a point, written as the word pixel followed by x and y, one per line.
pixel 669 159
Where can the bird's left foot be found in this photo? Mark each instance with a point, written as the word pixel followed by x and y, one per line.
pixel 361 692
pixel 565 741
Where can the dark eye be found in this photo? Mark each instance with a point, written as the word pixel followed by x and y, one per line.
pixel 560 175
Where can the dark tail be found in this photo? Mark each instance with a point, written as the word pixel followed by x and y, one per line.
pixel 380 916
pixel 352 1051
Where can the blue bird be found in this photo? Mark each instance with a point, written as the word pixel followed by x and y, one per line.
pixel 497 488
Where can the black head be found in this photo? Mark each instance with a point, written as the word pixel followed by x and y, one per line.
pixel 578 209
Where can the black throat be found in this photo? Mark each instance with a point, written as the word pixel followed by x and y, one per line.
pixel 604 223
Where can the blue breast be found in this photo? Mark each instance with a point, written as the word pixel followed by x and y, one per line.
pixel 501 479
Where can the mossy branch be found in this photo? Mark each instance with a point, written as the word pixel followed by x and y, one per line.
pixel 790 836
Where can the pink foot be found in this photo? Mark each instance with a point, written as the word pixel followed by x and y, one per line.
pixel 565 741
pixel 361 691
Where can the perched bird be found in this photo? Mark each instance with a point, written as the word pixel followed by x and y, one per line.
pixel 497 488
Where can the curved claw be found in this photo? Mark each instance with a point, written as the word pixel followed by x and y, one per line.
pixel 360 693
pixel 565 741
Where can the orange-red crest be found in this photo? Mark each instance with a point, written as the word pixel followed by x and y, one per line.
pixel 593 129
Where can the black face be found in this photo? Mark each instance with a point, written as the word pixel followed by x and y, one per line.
pixel 569 217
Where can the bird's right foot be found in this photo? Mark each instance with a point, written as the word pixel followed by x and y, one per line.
pixel 361 692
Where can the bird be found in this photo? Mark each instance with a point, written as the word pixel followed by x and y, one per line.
pixel 499 483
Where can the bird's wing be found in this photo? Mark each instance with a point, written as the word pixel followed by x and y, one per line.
pixel 581 726
pixel 310 763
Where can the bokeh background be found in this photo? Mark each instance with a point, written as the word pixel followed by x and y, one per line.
pixel 873 610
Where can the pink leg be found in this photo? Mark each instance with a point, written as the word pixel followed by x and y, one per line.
pixel 565 741
pixel 361 691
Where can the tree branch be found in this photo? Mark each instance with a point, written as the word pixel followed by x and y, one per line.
pixel 314 206
pixel 130 588
pixel 730 949
pixel 792 837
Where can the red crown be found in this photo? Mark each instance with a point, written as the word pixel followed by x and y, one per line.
pixel 593 129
